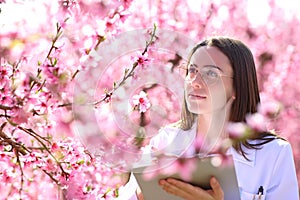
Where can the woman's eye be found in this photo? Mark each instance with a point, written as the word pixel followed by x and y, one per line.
pixel 212 74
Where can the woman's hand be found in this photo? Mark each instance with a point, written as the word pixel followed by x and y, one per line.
pixel 190 192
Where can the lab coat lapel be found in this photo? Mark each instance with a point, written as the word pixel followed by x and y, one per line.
pixel 250 154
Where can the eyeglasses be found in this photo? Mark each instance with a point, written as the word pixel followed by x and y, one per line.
pixel 210 74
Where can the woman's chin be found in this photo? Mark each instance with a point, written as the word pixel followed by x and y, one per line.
pixel 197 110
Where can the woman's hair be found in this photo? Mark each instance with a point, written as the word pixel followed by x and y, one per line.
pixel 245 86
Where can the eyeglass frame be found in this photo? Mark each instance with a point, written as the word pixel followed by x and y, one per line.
pixel 202 74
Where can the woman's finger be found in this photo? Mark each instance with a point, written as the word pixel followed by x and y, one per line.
pixel 174 189
pixel 216 187
pixel 182 185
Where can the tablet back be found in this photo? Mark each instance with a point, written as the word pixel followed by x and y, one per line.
pixel 206 168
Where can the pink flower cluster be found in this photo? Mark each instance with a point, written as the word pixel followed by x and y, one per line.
pixel 141 102
pixel 40 57
pixel 256 122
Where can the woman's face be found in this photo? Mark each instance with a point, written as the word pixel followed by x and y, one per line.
pixel 209 83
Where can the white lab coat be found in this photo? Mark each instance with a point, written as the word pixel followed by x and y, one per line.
pixel 272 166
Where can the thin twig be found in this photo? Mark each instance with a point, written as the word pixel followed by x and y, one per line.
pixel 65 105
pixel 22 173
pixel 108 94
pixel 7 140
pixel 75 73
pixel 52 178
pixel 58 34
pixel 38 138
pixel 36 148
pixel 34 134
pixel 3 107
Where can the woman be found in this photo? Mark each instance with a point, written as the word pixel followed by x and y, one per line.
pixel 220 87
pixel 227 94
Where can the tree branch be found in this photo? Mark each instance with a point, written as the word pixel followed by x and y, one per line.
pixel 22 173
pixel 38 138
pixel 108 94
pixel 15 145
pixel 3 107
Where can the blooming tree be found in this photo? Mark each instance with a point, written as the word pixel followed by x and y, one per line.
pixel 45 46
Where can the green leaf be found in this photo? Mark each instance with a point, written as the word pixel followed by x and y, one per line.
pixel 80 162
pixel 116 192
pixel 55 62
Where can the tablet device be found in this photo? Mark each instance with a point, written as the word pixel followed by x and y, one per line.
pixel 206 167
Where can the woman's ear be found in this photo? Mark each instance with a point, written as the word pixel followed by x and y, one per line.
pixel 231 99
pixel 229 102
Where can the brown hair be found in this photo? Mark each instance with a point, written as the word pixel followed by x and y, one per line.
pixel 245 86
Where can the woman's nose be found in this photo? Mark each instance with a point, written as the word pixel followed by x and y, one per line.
pixel 198 81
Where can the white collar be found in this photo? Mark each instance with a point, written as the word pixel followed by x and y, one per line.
pixel 250 154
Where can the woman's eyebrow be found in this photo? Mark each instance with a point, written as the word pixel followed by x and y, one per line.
pixel 214 66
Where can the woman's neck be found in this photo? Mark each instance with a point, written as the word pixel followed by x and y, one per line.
pixel 211 128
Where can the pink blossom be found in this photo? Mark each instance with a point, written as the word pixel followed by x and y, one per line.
pixel 257 122
pixel 124 15
pixel 127 3
pixel 141 101
pixel 184 168
pixel 141 60
pixel 270 109
pixel 238 130
pixel 6 98
pixel 19 116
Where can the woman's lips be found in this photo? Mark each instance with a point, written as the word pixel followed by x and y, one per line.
pixel 197 96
